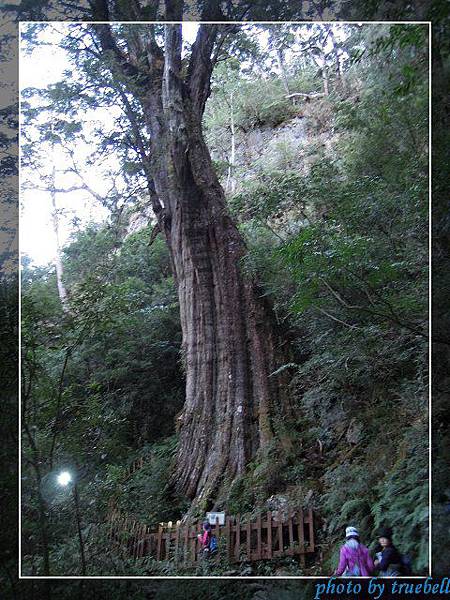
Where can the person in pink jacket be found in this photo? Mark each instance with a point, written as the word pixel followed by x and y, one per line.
pixel 354 559
pixel 205 537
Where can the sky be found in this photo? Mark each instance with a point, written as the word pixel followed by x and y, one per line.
pixel 44 66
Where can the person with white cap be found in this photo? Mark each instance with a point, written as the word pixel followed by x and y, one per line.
pixel 354 558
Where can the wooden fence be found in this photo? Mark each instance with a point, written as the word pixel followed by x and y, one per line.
pixel 271 535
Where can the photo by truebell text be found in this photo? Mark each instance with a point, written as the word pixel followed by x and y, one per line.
pixel 376 588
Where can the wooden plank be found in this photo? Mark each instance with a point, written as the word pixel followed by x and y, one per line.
pixel 258 538
pixel 186 543
pixel 290 551
pixel 237 547
pixel 311 531
pixel 228 537
pixel 121 525
pixel 143 541
pixel 137 545
pixel 198 548
pixel 177 543
pixel 126 533
pixel 280 534
pixel 140 542
pixel 249 540
pixel 269 534
pixel 138 536
pixel 191 556
pixel 112 520
pixel 301 537
pixel 134 539
pixel 158 543
pixel 168 538
pixel 152 544
pixel 217 533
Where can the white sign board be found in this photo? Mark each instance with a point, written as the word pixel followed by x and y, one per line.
pixel 213 516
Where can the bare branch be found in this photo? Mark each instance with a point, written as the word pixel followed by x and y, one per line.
pixel 324 312
pixel 174 10
pixel 306 96
pixel 338 297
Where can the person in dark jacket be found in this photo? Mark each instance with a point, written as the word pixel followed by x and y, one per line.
pixel 388 560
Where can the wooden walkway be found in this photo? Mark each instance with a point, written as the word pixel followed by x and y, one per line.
pixel 270 535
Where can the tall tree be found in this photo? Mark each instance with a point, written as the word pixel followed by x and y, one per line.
pixel 229 342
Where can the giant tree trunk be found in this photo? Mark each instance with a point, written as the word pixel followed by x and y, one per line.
pixel 229 345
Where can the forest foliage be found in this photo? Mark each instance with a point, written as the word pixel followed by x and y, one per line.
pixel 337 234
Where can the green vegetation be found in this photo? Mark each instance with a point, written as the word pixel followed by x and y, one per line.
pixel 334 211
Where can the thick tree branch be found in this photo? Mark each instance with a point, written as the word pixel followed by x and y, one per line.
pixel 172 60
pixel 99 10
pixel 174 10
pixel 156 229
pixel 132 65
pixel 119 58
pixel 201 66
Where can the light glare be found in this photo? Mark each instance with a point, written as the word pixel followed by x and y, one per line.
pixel 64 478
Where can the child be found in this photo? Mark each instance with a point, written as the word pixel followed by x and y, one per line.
pixel 205 537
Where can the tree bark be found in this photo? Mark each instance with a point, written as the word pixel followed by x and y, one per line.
pixel 229 343
pixel 62 292
pixel 231 181
pixel 282 66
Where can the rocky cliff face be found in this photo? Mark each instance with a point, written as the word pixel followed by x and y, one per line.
pixel 139 220
pixel 293 145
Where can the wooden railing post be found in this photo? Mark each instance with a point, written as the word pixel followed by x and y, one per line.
pixel 158 542
pixel 143 542
pixel 291 534
pixel 311 531
pixel 217 532
pixel 269 534
pixel 249 539
pixel 198 548
pixel 280 533
pixel 177 543
pixel 301 537
pixel 186 543
pixel 258 537
pixel 237 547
pixel 111 525
pixel 132 539
pixel 169 534
pixel 228 537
